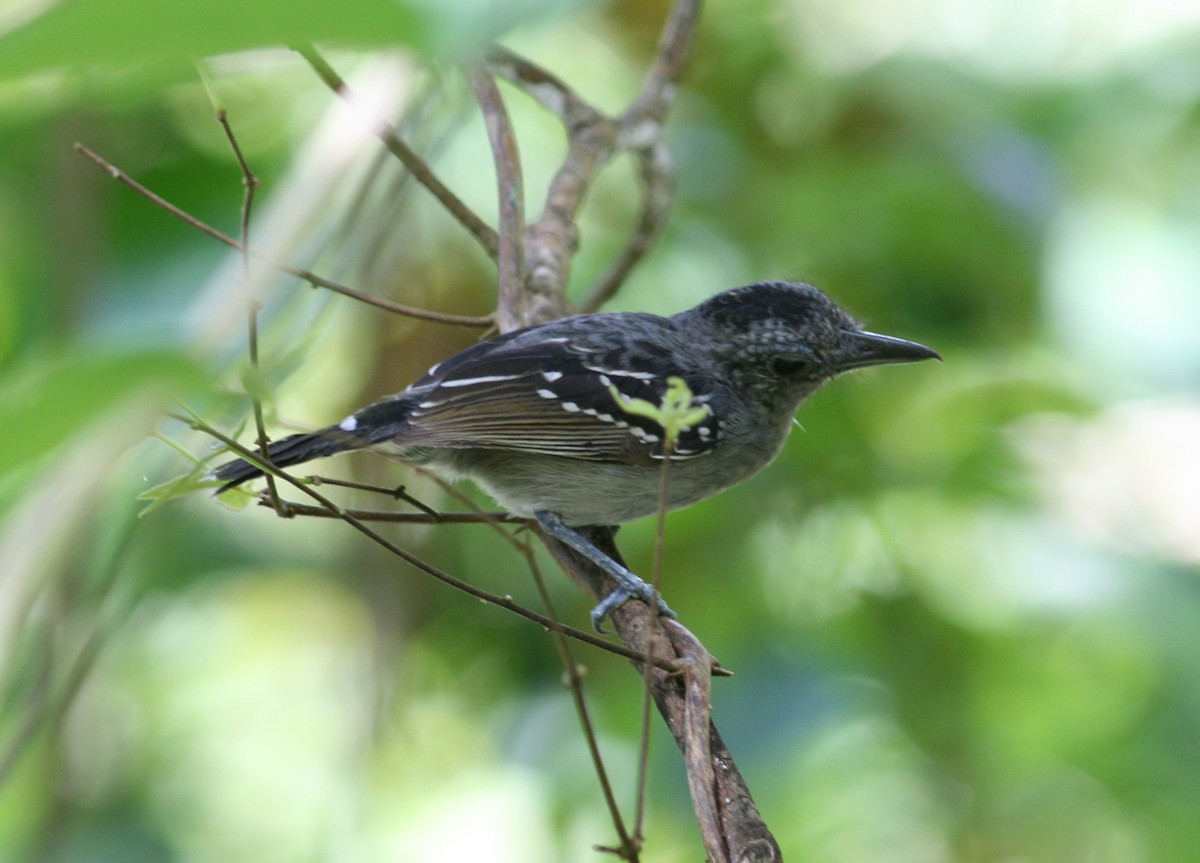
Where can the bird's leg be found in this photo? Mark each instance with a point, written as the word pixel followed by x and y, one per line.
pixel 629 586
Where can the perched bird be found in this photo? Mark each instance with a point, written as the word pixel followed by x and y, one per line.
pixel 542 418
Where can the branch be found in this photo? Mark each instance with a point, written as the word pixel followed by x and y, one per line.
pixel 506 602
pixel 511 194
pixel 592 140
pixel 737 832
pixel 730 824
pixel 408 157
pixel 553 239
pixel 305 275
pixel 550 91
pixel 674 44
pixel 658 176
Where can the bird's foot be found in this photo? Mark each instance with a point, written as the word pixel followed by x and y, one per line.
pixel 637 589
pixel 629 586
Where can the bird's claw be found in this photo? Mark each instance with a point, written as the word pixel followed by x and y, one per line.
pixel 623 594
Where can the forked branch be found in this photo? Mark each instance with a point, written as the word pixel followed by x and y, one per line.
pixel 729 820
pixel 730 824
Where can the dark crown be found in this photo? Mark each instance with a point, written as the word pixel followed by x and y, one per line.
pixel 793 305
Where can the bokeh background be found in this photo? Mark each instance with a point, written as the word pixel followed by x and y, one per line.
pixel 962 607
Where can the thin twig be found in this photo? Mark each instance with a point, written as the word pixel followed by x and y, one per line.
pixel 399 493
pixel 654 161
pixel 554 237
pixel 399 517
pixel 250 184
pixel 313 279
pixel 510 192
pixel 657 174
pixel 550 91
pixel 660 537
pixel 670 60
pixel 328 508
pixel 391 139
pixel 629 846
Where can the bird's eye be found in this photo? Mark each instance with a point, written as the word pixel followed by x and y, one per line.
pixel 787 366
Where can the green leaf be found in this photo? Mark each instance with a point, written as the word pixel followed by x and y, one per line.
pixel 176 487
pixel 676 413
pixel 124 34
pixel 256 384
pixel 131 34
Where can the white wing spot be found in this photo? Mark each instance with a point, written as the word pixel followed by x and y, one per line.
pixel 643 435
pixel 621 373
pixel 349 424
pixel 483 379
pixel 547 394
pixel 551 377
pixel 570 407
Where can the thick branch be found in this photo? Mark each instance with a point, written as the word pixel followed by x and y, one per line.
pixel 593 139
pixel 730 824
pixel 554 237
pixel 742 835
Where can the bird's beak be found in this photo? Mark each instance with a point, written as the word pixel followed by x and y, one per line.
pixel 872 349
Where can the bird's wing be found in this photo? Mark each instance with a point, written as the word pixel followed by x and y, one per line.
pixel 552 395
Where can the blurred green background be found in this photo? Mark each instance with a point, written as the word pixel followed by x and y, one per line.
pixel 962 607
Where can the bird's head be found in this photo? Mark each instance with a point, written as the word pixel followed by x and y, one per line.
pixel 791 336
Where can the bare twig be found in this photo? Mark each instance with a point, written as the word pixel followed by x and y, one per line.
pixel 593 139
pixel 742 834
pixel 408 157
pixel 328 508
pixel 511 194
pixel 661 85
pixel 397 493
pixel 697 743
pixel 660 541
pixel 554 237
pixel 658 175
pixel 394 517
pixel 729 822
pixel 630 846
pixel 305 275
pixel 250 185
pixel 551 92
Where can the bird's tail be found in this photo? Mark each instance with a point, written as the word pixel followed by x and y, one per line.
pixel 371 425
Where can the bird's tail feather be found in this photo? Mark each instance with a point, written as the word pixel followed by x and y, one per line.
pixel 371 425
pixel 288 451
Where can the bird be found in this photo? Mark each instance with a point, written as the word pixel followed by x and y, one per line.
pixel 546 419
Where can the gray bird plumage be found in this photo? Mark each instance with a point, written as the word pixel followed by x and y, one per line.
pixel 531 416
